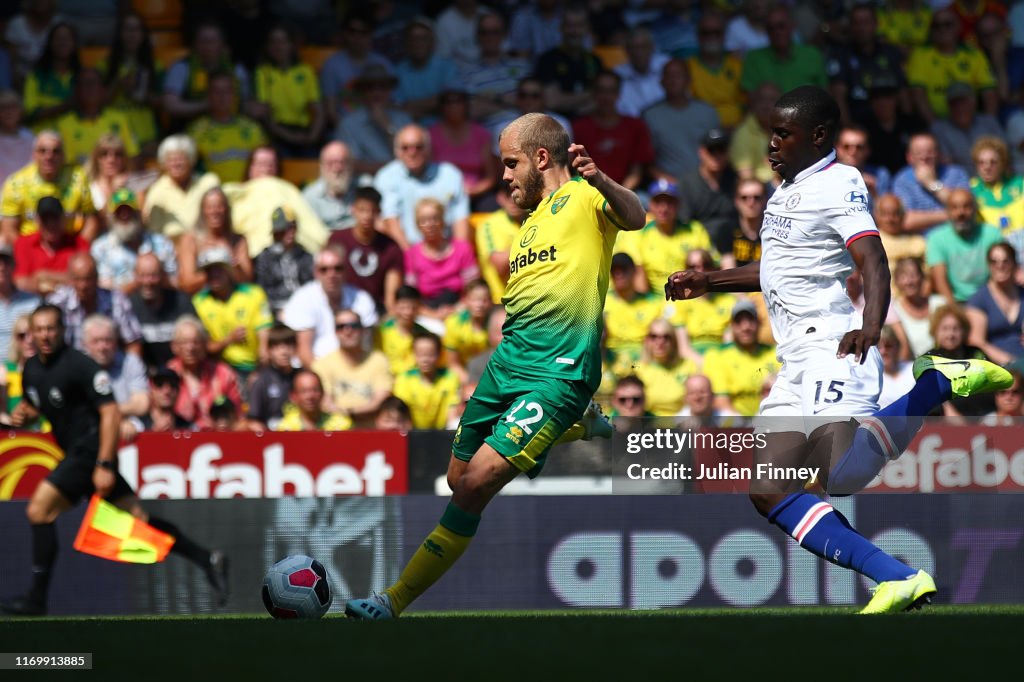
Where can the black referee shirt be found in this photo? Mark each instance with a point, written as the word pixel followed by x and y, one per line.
pixel 68 390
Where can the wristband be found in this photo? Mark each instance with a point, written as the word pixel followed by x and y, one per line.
pixel 107 464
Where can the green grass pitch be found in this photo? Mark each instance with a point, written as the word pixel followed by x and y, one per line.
pixel 720 644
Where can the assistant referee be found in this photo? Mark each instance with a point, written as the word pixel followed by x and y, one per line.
pixel 76 396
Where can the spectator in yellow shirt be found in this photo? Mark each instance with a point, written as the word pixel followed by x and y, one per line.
pixel 288 96
pixel 628 313
pixel 82 127
pixel 307 395
pixel 663 370
pixel 705 320
pixel 465 330
pixel 714 74
pixel 748 148
pixel 432 393
pixel 50 83
pixel 494 239
pixel 394 335
pixel 739 371
pixel 225 140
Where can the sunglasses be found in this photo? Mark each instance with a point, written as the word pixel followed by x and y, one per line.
pixel 330 268
pixel 111 152
pixel 48 150
pixel 530 93
pixel 751 197
pixel 412 147
pixel 629 399
pixel 660 337
pixel 348 325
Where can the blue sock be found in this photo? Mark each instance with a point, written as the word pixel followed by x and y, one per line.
pixel 823 531
pixel 887 434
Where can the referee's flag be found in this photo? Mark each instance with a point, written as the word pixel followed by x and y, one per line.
pixel 112 533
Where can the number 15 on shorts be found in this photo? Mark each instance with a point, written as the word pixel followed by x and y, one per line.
pixel 829 395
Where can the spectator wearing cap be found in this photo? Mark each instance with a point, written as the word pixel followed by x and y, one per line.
pixel 268 393
pixel 284 266
pixel 187 81
pixel 157 306
pixel 751 199
pixel 853 148
pixel 492 77
pixel 628 313
pixel 339 73
pixel 663 243
pixel 15 140
pixel 706 194
pixel 852 67
pixel 307 413
pixel 83 297
pixel 171 207
pixel 14 302
pixel 415 175
pixel 714 73
pixel 640 74
pixel 738 371
pixel 569 69
pixel 331 195
pixel 311 310
pixel 46 176
pixel 127 371
pixel 461 141
pixel 375 262
pixel 356 380
pixel 224 138
pixel 677 124
pixel 164 388
pixel 924 185
pixel 620 145
pixel 370 130
pixel 288 95
pixel 784 62
pixel 119 248
pixel 203 379
pixel 237 316
pixel 90 119
pixel 750 139
pixel 934 67
pixel 423 75
pixel 41 259
pixel 964 126
pixel 889 127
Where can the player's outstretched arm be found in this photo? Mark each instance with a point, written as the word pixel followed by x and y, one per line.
pixel 623 202
pixel 873 265
pixel 687 284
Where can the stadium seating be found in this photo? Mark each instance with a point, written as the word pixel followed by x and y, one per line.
pixel 315 55
pixel 300 172
pixel 159 14
pixel 611 55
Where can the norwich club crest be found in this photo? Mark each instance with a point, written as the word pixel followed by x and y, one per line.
pixel 559 203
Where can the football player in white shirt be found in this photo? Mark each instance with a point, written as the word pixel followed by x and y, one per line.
pixel 816 229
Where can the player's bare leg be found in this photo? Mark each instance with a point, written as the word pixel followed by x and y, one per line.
pixel 214 564
pixel 474 485
pixel 45 505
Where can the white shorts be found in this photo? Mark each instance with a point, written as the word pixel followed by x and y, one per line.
pixel 814 387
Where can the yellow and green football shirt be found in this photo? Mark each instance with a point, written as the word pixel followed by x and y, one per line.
pixel 495 234
pixel 935 72
pixel 289 92
pixel 719 87
pixel 626 323
pixel 246 307
pixel 43 90
pixel 462 337
pixel 659 254
pixel 705 318
pixel 225 147
pixel 740 374
pixel 292 421
pixel 906 28
pixel 81 135
pixel 1001 204
pixel 396 344
pixel 23 189
pixel 429 402
pixel 559 269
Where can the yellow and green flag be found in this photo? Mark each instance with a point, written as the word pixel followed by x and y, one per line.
pixel 112 533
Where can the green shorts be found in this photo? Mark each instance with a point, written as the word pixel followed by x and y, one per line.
pixel 519 416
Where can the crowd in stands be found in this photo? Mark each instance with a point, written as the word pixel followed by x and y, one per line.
pixel 290 216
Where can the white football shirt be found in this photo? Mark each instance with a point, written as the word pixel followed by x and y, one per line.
pixel 808 226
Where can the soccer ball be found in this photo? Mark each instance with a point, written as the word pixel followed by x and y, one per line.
pixel 297 587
